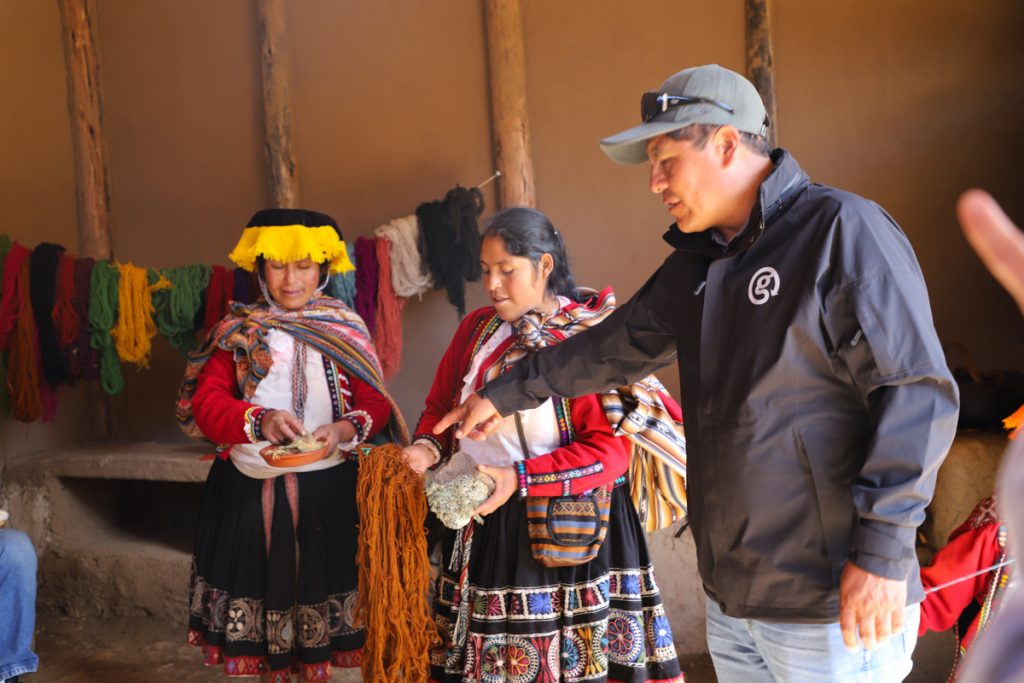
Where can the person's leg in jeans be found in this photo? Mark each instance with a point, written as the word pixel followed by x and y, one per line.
pixel 17 604
pixel 799 653
pixel 733 650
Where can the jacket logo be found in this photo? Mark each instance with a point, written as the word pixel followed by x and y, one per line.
pixel 763 286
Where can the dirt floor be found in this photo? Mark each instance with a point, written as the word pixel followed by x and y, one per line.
pixel 146 651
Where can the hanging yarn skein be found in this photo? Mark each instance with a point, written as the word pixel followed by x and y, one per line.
pixel 26 399
pixel 388 336
pixel 102 318
pixel 465 206
pixel 83 359
pixel 5 404
pixel 246 289
pixel 135 328
pixel 218 295
pixel 366 282
pixel 450 241
pixel 10 286
pixel 43 265
pixel 392 557
pixel 342 286
pixel 63 314
pixel 409 276
pixel 176 307
pixel 5 246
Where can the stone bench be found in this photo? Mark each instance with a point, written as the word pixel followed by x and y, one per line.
pixel 112 523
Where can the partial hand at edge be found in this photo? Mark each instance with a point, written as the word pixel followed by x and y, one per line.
pixel 871 606
pixel 999 242
pixel 478 416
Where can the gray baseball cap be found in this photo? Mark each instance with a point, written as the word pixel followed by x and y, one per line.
pixel 708 94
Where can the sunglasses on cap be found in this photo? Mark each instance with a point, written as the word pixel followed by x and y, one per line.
pixel 653 103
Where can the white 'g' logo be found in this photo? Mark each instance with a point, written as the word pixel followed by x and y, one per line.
pixel 763 286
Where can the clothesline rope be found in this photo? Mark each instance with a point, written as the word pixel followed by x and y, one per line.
pixel 961 579
pixel 497 174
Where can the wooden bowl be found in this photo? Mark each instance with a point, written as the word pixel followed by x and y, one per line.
pixel 292 459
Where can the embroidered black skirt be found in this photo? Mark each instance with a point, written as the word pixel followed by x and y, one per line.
pixel 522 622
pixel 283 601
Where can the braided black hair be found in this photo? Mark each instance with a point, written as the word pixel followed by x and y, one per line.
pixel 529 233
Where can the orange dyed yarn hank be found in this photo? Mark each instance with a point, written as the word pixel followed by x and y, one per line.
pixel 24 376
pixel 394 570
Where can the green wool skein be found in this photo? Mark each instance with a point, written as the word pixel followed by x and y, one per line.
pixel 176 307
pixel 103 288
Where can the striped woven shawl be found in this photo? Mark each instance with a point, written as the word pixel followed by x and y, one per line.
pixel 325 325
pixel 638 411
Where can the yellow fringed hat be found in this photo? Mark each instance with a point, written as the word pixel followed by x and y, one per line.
pixel 291 235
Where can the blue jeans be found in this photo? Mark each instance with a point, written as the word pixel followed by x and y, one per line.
pixel 755 651
pixel 17 604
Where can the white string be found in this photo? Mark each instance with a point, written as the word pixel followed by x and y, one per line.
pixel 961 579
pixel 497 174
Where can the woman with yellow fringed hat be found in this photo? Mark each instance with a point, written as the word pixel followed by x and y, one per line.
pixel 273 584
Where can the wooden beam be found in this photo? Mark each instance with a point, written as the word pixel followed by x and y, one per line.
pixel 761 60
pixel 506 61
pixel 92 181
pixel 282 171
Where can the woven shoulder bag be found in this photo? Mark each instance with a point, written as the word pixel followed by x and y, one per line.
pixel 565 530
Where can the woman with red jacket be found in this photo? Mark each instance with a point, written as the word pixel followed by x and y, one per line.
pixel 273 583
pixel 503 615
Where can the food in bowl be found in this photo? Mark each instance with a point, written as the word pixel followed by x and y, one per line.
pixel 299 451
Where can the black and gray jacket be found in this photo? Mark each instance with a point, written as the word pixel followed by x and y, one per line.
pixel 817 402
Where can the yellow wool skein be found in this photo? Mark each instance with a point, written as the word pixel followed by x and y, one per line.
pixel 135 328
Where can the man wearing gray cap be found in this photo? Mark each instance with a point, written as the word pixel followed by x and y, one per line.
pixel 817 400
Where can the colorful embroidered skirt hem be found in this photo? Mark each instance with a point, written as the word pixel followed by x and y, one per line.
pixel 512 620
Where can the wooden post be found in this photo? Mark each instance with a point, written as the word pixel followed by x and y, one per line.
pixel 282 172
pixel 506 61
pixel 92 178
pixel 92 181
pixel 761 60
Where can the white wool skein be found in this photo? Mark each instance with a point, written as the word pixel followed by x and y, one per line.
pixel 408 276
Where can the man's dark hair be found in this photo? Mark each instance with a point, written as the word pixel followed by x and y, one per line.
pixel 698 135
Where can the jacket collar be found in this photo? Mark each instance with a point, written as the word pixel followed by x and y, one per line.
pixel 776 194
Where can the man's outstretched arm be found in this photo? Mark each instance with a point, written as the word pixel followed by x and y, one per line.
pixel 635 340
